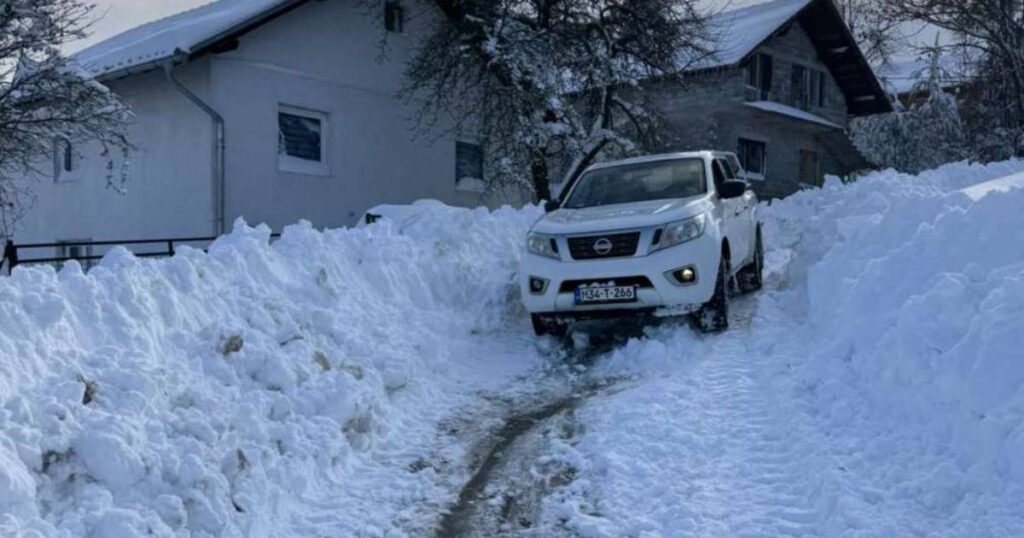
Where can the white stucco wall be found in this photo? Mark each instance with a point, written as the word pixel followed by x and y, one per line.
pixel 168 189
pixel 324 56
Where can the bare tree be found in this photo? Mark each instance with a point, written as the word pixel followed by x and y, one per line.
pixel 535 78
pixel 45 98
pixel 878 34
pixel 990 34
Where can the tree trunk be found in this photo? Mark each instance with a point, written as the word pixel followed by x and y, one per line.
pixel 539 176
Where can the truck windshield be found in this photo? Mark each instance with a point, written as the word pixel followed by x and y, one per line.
pixel 657 180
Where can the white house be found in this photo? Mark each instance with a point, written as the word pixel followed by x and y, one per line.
pixel 272 110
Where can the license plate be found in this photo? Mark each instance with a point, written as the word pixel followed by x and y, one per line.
pixel 606 294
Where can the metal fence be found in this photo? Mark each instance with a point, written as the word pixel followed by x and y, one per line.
pixel 89 252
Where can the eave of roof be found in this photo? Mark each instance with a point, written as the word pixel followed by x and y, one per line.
pixel 793 113
pixel 170 39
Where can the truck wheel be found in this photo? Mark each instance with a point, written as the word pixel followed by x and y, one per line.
pixel 545 326
pixel 751 278
pixel 713 316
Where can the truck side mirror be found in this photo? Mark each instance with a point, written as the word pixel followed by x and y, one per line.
pixel 732 189
pixel 551 205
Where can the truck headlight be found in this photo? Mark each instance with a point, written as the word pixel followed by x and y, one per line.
pixel 542 245
pixel 682 231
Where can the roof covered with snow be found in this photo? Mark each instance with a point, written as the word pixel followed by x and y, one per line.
pixel 738 32
pixel 187 32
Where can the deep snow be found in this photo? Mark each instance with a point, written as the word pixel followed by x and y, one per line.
pixel 260 390
pixel 317 385
pixel 876 390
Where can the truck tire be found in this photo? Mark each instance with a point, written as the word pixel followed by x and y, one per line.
pixel 548 326
pixel 751 278
pixel 713 316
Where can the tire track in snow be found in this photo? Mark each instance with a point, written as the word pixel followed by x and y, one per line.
pixel 502 495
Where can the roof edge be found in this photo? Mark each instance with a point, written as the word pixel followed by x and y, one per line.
pixel 205 46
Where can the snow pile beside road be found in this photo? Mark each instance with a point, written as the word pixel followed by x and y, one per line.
pixel 215 394
pixel 918 295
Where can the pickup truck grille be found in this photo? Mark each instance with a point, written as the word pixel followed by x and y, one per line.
pixel 592 247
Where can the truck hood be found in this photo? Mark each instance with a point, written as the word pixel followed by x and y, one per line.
pixel 621 216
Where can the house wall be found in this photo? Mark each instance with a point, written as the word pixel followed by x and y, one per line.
pixel 707 111
pixel 784 139
pixel 168 192
pixel 794 47
pixel 327 57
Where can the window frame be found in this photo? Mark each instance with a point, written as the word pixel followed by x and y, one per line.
pixel 298 165
pixel 741 154
pixel 761 68
pixel 809 92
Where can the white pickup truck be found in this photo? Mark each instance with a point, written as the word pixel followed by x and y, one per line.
pixel 661 235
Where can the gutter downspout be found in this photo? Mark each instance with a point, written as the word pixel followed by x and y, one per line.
pixel 218 149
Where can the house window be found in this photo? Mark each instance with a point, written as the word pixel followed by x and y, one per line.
pixel 394 17
pixel 302 141
pixel 810 168
pixel 808 87
pixel 469 166
pixel 759 75
pixel 65 162
pixel 752 156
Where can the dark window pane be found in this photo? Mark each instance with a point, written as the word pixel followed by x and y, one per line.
pixel 797 84
pixel 765 82
pixel 810 172
pixel 821 89
pixel 752 155
pixel 300 136
pixel 394 17
pixel 469 161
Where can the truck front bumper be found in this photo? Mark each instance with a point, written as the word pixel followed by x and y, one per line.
pixel 657 291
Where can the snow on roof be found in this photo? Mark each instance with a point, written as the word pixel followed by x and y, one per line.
pixel 796 113
pixel 738 32
pixel 161 39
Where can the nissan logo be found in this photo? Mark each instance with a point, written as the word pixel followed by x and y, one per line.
pixel 603 246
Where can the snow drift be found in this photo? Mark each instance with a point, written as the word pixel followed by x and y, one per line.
pixel 918 297
pixel 207 393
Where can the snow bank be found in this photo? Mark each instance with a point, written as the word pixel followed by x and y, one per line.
pixel 916 290
pixel 215 394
